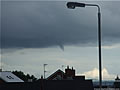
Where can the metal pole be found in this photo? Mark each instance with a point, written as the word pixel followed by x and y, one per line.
pixel 99 42
pixel 63 71
pixel 44 69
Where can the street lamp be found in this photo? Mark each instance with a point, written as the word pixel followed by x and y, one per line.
pixel 73 5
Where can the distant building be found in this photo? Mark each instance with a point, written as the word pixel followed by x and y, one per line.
pixel 117 82
pixel 7 76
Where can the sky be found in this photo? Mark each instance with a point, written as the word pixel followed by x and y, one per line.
pixel 34 33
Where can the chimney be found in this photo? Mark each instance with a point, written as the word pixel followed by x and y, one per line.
pixel 69 72
pixel 41 76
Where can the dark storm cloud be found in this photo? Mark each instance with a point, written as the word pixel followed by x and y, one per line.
pixel 111 22
pixel 44 24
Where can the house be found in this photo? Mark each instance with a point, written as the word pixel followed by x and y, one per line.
pixel 8 77
pixel 69 74
pixel 67 80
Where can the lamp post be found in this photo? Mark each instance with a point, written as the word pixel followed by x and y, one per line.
pixel 73 5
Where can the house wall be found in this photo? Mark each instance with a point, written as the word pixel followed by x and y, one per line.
pixel 117 84
pixel 1 81
pixel 50 85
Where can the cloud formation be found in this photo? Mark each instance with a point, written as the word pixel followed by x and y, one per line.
pixel 95 73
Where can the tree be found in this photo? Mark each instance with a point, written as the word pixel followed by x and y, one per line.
pixel 24 77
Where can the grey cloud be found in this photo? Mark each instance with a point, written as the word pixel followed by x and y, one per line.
pixel 111 21
pixel 43 24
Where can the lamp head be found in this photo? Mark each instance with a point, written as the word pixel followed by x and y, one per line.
pixel 72 5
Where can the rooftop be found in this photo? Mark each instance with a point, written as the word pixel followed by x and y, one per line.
pixel 8 76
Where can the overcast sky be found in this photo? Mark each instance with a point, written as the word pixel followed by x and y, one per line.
pixel 38 32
